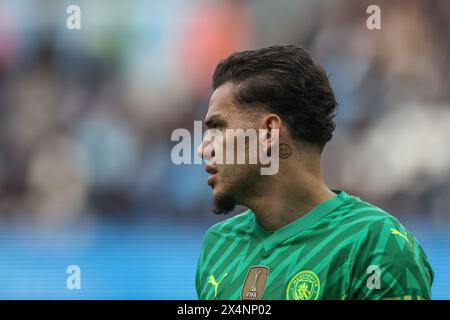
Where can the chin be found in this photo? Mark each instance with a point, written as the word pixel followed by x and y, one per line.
pixel 224 202
pixel 216 194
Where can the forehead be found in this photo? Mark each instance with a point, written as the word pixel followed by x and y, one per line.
pixel 221 102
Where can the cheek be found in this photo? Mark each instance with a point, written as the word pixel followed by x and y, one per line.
pixel 225 152
pixel 219 144
pixel 227 174
pixel 232 174
pixel 228 149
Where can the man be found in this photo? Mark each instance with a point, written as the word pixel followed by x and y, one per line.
pixel 299 240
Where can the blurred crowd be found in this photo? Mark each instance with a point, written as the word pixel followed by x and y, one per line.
pixel 86 115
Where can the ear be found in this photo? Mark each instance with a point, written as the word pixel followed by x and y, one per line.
pixel 270 134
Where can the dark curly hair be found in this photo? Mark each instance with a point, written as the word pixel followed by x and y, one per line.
pixel 285 80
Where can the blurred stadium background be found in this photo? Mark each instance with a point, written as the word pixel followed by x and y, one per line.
pixel 86 117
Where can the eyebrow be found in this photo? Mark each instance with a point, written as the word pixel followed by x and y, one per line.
pixel 213 118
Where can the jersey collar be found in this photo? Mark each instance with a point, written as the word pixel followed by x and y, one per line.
pixel 271 239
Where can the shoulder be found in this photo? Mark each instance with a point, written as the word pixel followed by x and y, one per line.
pixel 383 243
pixel 373 229
pixel 363 218
pixel 379 222
pixel 386 241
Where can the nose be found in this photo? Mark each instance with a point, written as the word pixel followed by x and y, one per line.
pixel 206 150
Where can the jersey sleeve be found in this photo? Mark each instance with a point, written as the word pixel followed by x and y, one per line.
pixel 389 263
pixel 199 281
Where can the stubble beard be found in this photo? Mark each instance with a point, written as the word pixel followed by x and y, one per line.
pixel 224 203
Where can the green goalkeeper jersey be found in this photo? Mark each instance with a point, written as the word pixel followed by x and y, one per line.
pixel 344 248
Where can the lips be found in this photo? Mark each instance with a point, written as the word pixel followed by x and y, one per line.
pixel 211 180
pixel 212 171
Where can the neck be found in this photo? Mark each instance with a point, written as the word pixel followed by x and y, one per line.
pixel 297 192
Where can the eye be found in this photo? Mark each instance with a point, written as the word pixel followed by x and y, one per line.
pixel 217 125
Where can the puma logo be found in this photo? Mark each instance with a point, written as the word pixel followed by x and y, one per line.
pixel 216 283
pixel 396 232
